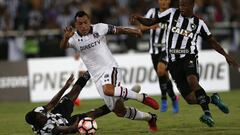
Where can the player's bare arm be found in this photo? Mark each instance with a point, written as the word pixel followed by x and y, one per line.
pixel 143 21
pixel 129 31
pixel 145 28
pixel 68 33
pixel 216 46
pixel 57 97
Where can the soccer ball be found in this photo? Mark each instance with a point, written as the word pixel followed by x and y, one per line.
pixel 87 126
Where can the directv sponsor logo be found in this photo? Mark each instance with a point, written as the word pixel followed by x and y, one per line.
pixel 91 45
pixel 13 82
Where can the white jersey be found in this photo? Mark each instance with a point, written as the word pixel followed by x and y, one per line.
pixel 94 50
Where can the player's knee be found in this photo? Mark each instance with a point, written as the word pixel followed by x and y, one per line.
pixel 108 90
pixel 192 82
pixel 190 99
pixel 161 70
pixel 119 113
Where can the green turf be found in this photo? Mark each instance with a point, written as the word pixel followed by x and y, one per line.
pixel 185 122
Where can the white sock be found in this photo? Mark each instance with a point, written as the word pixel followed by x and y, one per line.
pixel 134 114
pixel 125 93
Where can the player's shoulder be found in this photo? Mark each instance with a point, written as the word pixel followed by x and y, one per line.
pixel 201 21
pixel 39 109
pixel 151 10
pixel 99 26
pixel 172 10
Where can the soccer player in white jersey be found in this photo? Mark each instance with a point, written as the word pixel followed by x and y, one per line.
pixel 157 49
pixel 183 32
pixel 90 40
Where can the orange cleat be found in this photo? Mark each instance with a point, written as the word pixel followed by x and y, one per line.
pixel 153 123
pixel 150 102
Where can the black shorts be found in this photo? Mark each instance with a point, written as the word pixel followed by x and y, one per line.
pixel 156 58
pixel 180 70
pixel 64 107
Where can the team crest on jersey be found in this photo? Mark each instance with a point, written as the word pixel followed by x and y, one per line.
pixel 95 35
pixel 193 26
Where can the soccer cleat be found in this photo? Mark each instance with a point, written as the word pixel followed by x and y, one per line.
pixel 219 103
pixel 175 105
pixel 153 123
pixel 164 105
pixel 150 102
pixel 207 119
pixel 136 88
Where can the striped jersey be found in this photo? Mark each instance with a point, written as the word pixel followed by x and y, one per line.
pixel 157 42
pixel 53 121
pixel 94 50
pixel 183 34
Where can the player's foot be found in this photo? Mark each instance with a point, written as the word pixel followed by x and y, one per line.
pixel 164 105
pixel 219 103
pixel 207 119
pixel 175 105
pixel 136 88
pixel 150 102
pixel 153 123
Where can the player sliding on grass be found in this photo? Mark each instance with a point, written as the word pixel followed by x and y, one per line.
pixel 55 117
pixel 183 32
pixel 90 41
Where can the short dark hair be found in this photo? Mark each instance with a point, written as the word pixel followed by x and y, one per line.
pixel 30 118
pixel 80 14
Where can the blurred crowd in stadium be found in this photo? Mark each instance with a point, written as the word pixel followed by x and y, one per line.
pixel 19 16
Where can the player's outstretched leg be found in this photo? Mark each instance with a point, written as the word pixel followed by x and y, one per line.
pixel 216 100
pixel 149 101
pixel 153 123
pixel 134 114
pixel 130 94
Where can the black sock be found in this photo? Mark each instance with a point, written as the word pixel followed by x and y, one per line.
pixel 82 80
pixel 163 87
pixel 203 100
pixel 170 90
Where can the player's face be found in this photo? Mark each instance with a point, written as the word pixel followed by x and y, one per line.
pixel 186 8
pixel 164 4
pixel 83 25
pixel 41 119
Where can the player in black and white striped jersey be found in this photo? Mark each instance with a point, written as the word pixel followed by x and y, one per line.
pixel 157 49
pixel 183 32
pixel 55 117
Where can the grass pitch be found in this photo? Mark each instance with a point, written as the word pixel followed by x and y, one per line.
pixel 183 123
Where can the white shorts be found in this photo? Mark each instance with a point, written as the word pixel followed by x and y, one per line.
pixel 110 76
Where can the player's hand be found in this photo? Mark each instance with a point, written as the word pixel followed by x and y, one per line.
pixel 231 61
pixel 69 81
pixel 138 33
pixel 133 19
pixel 68 32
